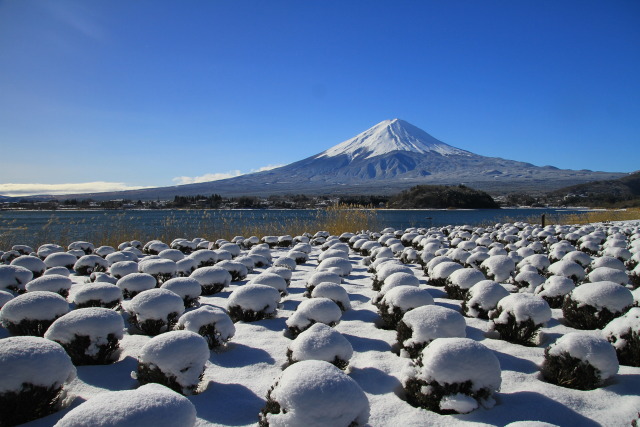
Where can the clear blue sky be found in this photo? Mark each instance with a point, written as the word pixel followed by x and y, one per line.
pixel 141 93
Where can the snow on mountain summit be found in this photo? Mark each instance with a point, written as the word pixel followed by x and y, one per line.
pixel 389 136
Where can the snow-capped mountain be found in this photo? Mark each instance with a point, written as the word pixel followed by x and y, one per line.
pixel 389 136
pixel 387 158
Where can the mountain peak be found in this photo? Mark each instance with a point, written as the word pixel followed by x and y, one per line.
pixel 389 136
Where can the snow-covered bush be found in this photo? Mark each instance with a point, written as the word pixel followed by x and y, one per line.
pixel 154 247
pixel 204 258
pixel 315 393
pixel 132 284
pixel 102 277
pixel 285 241
pixel 34 371
pixel 14 278
pixel 498 267
pixel 440 272
pixel 115 257
pixel 85 247
pixel 187 288
pixel 260 261
pixel 554 289
pixel 334 292
pixel 171 254
pixel 155 311
pixel 47 249
pixel 175 359
pixel 5 297
pixel 424 324
pixel 250 303
pixel 272 241
pixel 103 251
pixel 399 300
pixel 212 323
pixel 60 271
pixel 160 268
pixel 262 250
pixel 89 335
pixel 321 277
pixel 518 317
pixel 624 334
pixel 339 263
pixel 394 280
pixel 287 262
pixel 601 274
pixel 237 270
pixel 123 268
pixel 32 313
pixel 315 310
pixel 298 256
pixel 568 269
pixel 385 270
pixel 60 259
pixel 483 297
pixel 31 263
pixel 247 261
pixel 579 360
pixel 96 295
pixel 453 376
pixel 460 281
pixel 321 342
pixel 593 305
pixel 7 257
pixel 148 405
pixel 528 281
pixel 51 283
pixel 212 279
pixel 88 264
pixel 185 267
pixel 283 272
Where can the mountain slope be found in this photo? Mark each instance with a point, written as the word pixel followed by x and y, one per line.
pixel 391 156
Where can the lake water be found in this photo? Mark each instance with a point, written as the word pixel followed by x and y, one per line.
pixel 34 227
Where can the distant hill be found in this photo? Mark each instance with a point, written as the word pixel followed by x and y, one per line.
pixel 622 192
pixel 442 197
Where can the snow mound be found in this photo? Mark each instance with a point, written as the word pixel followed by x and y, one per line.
pixel 33 360
pixel 523 307
pixel 315 310
pixel 155 304
pixel 498 267
pixel 315 393
pixel 256 298
pixel 483 297
pixel 100 293
pixel 51 283
pixel 320 342
pixel 334 292
pixel 37 305
pixel 93 322
pixel 595 350
pixel 429 322
pixel 342 264
pixel 270 279
pixel 208 316
pixel 149 405
pixel 406 298
pixel 178 354
pixel 133 284
pixel 609 295
pixel 13 277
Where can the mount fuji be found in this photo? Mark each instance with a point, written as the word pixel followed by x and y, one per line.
pixel 387 158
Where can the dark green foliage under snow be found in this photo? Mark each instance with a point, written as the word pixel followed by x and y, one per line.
pixel 36 328
pixel 404 333
pixel 149 373
pixel 523 333
pixel 629 354
pixel 77 350
pixel 212 289
pixel 30 403
pixel 155 326
pixel 568 371
pixel 98 303
pixel 337 362
pixel 431 400
pixel 442 197
pixel 238 314
pixel 586 316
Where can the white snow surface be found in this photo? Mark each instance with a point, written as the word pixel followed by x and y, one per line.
pixel 589 348
pixel 136 282
pixel 523 307
pixel 255 297
pixel 36 305
pixel 33 360
pixel 315 393
pixel 604 294
pixel 555 286
pixel 320 342
pixel 389 136
pixel 150 405
pixel 183 286
pixel 51 283
pixel 182 354
pixel 93 322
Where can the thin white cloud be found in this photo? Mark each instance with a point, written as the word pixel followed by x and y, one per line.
pixel 181 180
pixel 19 190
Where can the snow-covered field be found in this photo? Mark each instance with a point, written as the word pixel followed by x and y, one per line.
pixel 239 375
